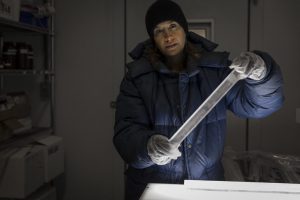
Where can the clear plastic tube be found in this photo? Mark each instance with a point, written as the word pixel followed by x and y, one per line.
pixel 206 107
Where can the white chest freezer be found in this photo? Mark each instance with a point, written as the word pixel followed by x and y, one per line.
pixel 222 190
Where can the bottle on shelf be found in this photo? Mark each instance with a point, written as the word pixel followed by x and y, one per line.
pixel 1 52
pixel 22 54
pixel 9 55
pixel 30 57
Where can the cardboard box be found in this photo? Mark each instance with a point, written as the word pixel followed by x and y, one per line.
pixel 10 9
pixel 22 170
pixel 14 105
pixel 53 155
pixel 44 193
pixel 18 126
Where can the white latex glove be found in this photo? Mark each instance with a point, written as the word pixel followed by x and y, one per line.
pixel 250 65
pixel 161 151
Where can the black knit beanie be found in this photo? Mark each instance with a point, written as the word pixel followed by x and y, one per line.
pixel 164 10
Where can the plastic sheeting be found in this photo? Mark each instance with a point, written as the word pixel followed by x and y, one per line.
pixel 258 166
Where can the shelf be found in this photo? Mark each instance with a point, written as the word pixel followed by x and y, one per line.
pixel 25 138
pixel 25 72
pixel 22 26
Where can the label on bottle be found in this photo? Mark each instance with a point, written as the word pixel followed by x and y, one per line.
pixel 23 51
pixel 10 52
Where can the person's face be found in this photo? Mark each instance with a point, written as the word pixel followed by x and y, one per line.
pixel 169 38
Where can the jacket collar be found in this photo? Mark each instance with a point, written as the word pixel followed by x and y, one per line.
pixel 209 58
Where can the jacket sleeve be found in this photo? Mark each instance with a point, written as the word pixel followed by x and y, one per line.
pixel 132 126
pixel 257 99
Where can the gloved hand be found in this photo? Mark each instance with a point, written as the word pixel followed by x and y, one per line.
pixel 161 151
pixel 250 65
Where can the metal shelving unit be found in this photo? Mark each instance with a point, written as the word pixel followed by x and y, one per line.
pixel 13 25
pixel 46 72
pixel 37 107
pixel 25 72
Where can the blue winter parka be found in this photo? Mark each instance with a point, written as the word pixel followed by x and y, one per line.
pixel 154 100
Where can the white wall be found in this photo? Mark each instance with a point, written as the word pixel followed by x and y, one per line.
pixel 88 47
pixel 276 29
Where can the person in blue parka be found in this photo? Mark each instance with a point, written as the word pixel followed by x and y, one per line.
pixel 173 72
